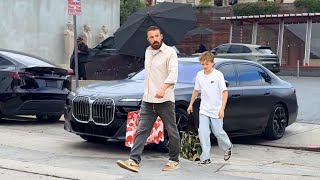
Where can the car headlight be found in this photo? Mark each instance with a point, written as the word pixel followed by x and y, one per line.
pixel 130 100
pixel 72 93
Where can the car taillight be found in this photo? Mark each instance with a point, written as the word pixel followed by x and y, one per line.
pixel 19 75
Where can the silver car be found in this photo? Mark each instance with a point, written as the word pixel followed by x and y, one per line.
pixel 257 53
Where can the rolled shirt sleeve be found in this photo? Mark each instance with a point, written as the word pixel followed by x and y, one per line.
pixel 172 69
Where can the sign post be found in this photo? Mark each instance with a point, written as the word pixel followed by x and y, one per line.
pixel 74 8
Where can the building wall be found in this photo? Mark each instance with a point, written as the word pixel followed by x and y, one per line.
pixel 195 2
pixel 37 26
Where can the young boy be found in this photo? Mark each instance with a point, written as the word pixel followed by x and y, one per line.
pixel 210 82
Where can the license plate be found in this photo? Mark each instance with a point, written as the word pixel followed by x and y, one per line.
pixel 50 83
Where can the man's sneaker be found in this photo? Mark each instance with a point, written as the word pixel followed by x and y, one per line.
pixel 227 154
pixel 129 165
pixel 204 162
pixel 171 165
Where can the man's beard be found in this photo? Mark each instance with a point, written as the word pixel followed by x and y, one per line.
pixel 156 45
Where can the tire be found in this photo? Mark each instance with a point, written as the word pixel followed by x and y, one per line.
pixel 49 118
pixel 277 123
pixel 93 139
pixel 182 122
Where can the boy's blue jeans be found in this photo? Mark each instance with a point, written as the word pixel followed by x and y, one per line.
pixel 216 125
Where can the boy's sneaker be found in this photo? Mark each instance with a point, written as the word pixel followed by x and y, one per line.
pixel 227 154
pixel 129 165
pixel 171 165
pixel 204 162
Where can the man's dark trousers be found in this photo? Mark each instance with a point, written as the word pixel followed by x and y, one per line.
pixel 148 115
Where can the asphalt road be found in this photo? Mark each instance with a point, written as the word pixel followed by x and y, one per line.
pixel 30 149
pixel 308 95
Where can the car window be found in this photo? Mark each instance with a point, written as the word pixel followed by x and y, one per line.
pixel 27 60
pixel 187 72
pixel 5 63
pixel 246 49
pixel 265 50
pixel 236 49
pixel 251 75
pixel 108 44
pixel 222 49
pixel 229 74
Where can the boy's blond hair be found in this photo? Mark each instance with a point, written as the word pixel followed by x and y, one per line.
pixel 206 56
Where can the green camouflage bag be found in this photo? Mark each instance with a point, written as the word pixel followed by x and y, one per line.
pixel 190 142
pixel 190 146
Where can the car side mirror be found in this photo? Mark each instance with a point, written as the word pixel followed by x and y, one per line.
pixel 214 52
pixel 131 75
pixel 99 46
pixel 227 83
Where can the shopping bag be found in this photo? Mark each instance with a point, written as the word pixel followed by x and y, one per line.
pixel 190 142
pixel 156 134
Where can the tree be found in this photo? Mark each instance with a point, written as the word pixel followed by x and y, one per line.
pixel 127 7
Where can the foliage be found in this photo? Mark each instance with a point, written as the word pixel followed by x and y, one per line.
pixel 204 3
pixel 256 8
pixel 128 7
pixel 312 6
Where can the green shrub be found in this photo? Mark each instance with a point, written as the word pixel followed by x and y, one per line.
pixel 312 6
pixel 256 8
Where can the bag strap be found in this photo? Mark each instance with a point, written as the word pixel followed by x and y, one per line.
pixel 191 124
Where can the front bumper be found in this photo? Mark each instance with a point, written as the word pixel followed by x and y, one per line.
pixel 115 130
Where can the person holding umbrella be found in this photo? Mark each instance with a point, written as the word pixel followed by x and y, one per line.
pixel 161 73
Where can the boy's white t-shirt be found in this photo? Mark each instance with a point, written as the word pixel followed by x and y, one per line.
pixel 211 87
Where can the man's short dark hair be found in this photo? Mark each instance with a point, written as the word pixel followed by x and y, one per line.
pixel 152 28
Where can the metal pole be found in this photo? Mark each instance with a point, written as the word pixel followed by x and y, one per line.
pixel 76 64
pixel 280 41
pixel 231 29
pixel 254 32
pixel 298 68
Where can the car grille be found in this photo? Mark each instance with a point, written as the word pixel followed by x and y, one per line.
pixel 103 111
pixel 81 108
pixel 100 111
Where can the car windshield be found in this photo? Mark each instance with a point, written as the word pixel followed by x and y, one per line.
pixel 27 60
pixel 265 50
pixel 186 73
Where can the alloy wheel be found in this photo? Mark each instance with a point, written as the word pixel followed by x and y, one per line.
pixel 279 121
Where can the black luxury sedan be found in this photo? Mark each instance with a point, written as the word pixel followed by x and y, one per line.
pixel 30 85
pixel 259 102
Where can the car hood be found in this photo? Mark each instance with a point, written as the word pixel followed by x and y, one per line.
pixel 121 88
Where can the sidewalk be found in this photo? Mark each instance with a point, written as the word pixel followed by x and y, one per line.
pixel 298 136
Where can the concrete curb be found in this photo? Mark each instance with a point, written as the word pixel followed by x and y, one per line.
pixel 313 148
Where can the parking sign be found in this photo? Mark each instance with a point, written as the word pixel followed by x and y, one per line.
pixel 74 7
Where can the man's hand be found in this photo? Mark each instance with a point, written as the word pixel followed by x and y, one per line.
pixel 160 93
pixel 190 109
pixel 221 114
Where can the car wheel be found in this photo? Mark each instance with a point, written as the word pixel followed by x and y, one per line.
pixel 277 123
pixel 93 139
pixel 49 118
pixel 182 122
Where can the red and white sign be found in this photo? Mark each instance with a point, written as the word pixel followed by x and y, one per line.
pixel 74 7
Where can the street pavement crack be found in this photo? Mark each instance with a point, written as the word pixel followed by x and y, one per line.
pixel 219 168
pixel 41 174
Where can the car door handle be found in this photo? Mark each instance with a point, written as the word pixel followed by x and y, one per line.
pixel 235 96
pixel 267 94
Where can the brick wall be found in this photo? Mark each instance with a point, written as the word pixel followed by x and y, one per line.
pixel 210 17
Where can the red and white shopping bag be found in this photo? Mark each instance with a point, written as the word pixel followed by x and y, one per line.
pixel 156 134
